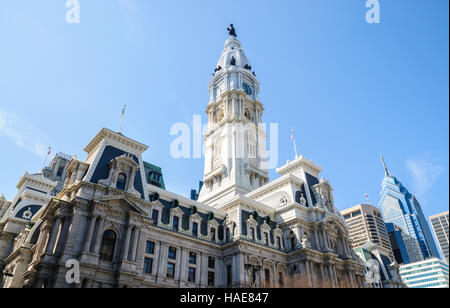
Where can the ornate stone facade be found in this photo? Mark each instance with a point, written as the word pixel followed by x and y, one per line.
pixel 245 231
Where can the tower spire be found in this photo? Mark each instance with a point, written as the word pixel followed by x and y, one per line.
pixel 386 172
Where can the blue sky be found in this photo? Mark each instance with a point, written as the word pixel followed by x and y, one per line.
pixel 350 89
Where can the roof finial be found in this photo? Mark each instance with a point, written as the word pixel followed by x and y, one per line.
pixel 384 165
pixel 232 31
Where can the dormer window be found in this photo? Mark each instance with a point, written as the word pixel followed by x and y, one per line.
pixel 292 239
pixel 213 234
pixel 252 233
pixel 121 181
pixel 194 229
pixel 122 173
pixel 175 224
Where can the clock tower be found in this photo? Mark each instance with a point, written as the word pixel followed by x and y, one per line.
pixel 235 143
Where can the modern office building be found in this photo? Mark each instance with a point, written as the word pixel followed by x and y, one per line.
pixel 439 222
pixel 430 273
pixel 401 208
pixel 366 224
pixel 406 249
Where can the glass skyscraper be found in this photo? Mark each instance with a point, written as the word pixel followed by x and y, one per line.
pixel 402 209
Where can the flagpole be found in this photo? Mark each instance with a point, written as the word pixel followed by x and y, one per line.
pixel 121 118
pixel 46 157
pixel 293 140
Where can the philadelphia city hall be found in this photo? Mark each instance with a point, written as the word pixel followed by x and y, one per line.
pixel 112 216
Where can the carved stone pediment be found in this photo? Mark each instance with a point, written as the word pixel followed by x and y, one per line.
pixel 122 204
pixel 213 223
pixel 176 211
pixel 195 218
pixel 251 221
pixel 265 227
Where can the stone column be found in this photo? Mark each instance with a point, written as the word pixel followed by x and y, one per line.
pixel 335 277
pixel 322 274
pixel 309 273
pixel 63 235
pixel 313 274
pixel 90 234
pixel 162 259
pixel 331 276
pixel 348 248
pixel 183 264
pixel 316 237
pixel 353 279
pixel 204 269
pixel 43 238
pixel 235 271
pixel 135 244
pixel 156 259
pixel 325 240
pixel 127 243
pixel 99 235
pixel 178 266
pixel 55 231
pixel 275 276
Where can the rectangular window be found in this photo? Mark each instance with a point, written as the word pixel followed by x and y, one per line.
pixel 172 253
pixel 60 171
pixel 213 234
pixel 191 274
pixel 195 229
pixel 211 277
pixel 252 233
pixel 280 279
pixel 192 258
pixel 175 223
pixel 292 243
pixel 148 264
pixel 267 275
pixel 267 238
pixel 170 270
pixel 229 275
pixel 279 242
pixel 211 262
pixel 150 247
pixel 155 214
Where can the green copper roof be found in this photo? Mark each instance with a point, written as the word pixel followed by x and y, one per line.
pixel 153 175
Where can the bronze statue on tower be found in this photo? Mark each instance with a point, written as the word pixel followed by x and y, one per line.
pixel 232 31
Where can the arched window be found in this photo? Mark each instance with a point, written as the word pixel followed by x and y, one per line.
pixel 108 245
pixel 121 180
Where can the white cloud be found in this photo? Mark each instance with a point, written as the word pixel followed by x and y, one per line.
pixel 424 174
pixel 21 133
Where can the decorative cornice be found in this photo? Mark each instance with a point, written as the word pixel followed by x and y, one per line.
pixel 298 163
pixel 106 133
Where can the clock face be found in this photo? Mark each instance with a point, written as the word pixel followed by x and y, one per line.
pixel 247 89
